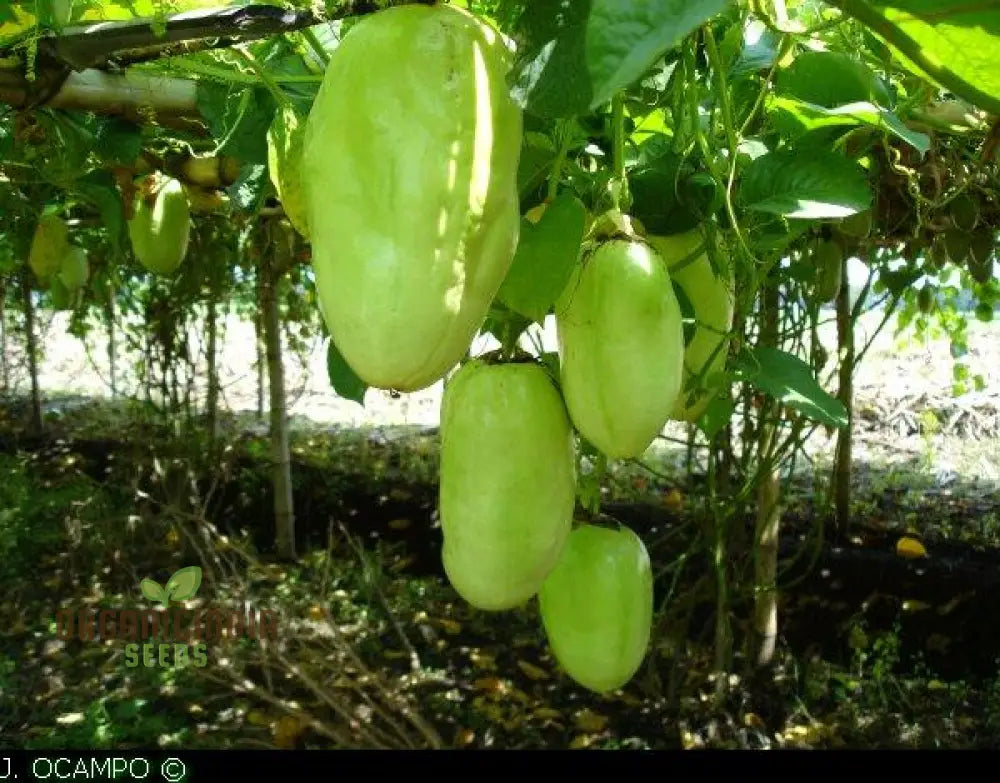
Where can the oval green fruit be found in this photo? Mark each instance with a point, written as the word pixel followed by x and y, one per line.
pixel 49 246
pixel 964 212
pixel 410 162
pixel 712 298
pixel 597 606
pixel 507 481
pixel 956 243
pixel 160 230
pixel 284 154
pixel 621 346
pixel 829 262
pixel 75 270
pixel 60 296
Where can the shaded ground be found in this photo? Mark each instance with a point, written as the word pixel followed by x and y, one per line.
pixel 376 650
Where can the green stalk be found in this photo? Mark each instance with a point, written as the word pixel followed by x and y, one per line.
pixel 618 150
pixel 262 74
pixel 315 45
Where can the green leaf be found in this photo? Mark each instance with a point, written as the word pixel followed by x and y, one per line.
pixel 545 257
pixel 99 189
pixel 953 42
pixel 537 155
pixel 815 185
pixel 669 198
pixel 624 38
pixel 549 77
pixel 343 379
pixel 183 584
pixel 153 591
pixel 831 79
pixel 117 141
pixel 251 187
pixel 717 414
pixel 574 55
pixel 238 120
pixel 802 117
pixel 790 381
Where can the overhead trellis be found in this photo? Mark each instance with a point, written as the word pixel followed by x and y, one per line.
pixel 83 66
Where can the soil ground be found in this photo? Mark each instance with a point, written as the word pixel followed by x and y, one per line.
pixel 376 650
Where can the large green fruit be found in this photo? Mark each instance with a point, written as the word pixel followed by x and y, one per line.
pixel 712 299
pixel 75 270
pixel 828 259
pixel 507 481
pixel 284 153
pixel 597 606
pixel 160 226
pixel 48 248
pixel 621 346
pixel 410 164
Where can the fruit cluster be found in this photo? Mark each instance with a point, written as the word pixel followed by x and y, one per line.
pixel 412 210
pixel 59 266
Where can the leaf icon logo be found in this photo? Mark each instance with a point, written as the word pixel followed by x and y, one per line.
pixel 181 586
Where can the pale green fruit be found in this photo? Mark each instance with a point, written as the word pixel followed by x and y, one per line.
pixel 621 346
pixel 160 231
pixel 409 164
pixel 597 606
pixel 712 298
pixel 48 248
pixel 507 481
pixel 75 269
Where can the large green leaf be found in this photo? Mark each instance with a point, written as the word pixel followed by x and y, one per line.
pixel 626 37
pixel 813 184
pixel 953 42
pixel 575 55
pixel 831 79
pixel 794 117
pixel 790 381
pixel 545 257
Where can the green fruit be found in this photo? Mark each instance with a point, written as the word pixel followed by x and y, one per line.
pixel 48 248
pixel 712 300
pixel 410 157
pixel 160 230
pixel 858 225
pixel 284 153
pixel 621 346
pixel 980 261
pixel 62 297
pixel 964 213
pixel 956 244
pixel 925 299
pixel 74 271
pixel 597 606
pixel 981 245
pixel 937 254
pixel 829 261
pixel 507 481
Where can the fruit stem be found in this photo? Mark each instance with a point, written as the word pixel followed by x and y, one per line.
pixel 618 149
